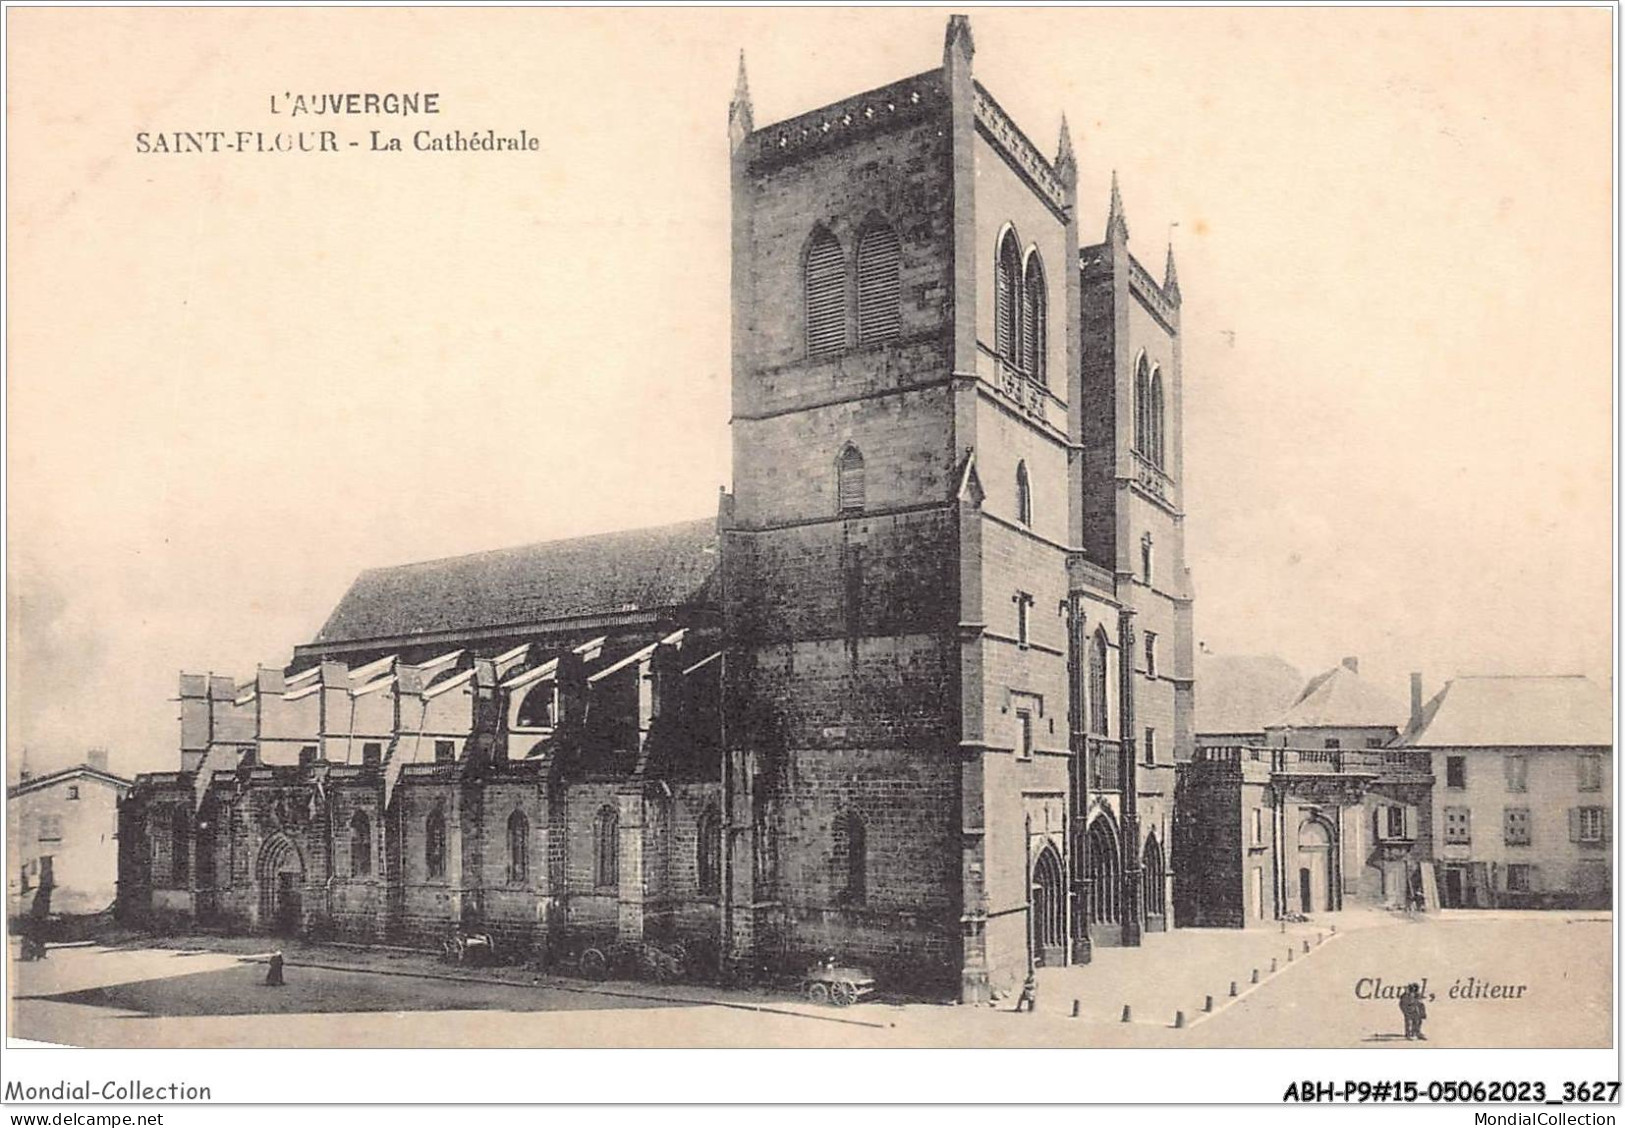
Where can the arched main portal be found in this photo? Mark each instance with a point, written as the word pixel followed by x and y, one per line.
pixel 281 876
pixel 1049 910
pixel 1106 882
pixel 1154 879
pixel 1315 883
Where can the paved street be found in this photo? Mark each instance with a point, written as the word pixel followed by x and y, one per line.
pixel 163 997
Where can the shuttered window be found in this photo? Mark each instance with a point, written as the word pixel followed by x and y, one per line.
pixel 826 296
pixel 849 480
pixel 1035 320
pixel 880 316
pixel 1007 299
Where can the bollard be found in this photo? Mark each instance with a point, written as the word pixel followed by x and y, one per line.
pixel 1283 926
pixel 1289 955
pixel 1320 938
pixel 1128 1015
pixel 1273 966
pixel 1255 975
pixel 1179 1020
pixel 1306 945
pixel 1232 988
pixel 1207 1007
pixel 1334 930
pixel 1076 1007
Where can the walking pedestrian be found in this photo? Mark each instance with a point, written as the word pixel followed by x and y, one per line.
pixel 1028 998
pixel 1414 1011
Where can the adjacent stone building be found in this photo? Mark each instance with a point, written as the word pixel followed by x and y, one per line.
pixel 62 831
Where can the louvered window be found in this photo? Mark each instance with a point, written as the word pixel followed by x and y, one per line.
pixel 1035 320
pixel 826 296
pixel 1142 407
pixel 849 480
pixel 1157 432
pixel 1008 300
pixel 880 316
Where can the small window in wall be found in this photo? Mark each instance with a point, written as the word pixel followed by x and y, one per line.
pixel 849 480
pixel 73 791
pixel 1150 654
pixel 1024 608
pixel 1517 768
pixel 709 861
pixel 360 845
pixel 1588 824
pixel 1520 877
pixel 1150 747
pixel 518 848
pixel 857 860
pixel 1333 742
pixel 1258 826
pixel 1395 822
pixel 50 828
pixel 1455 772
pixel 1146 560
pixel 445 751
pixel 372 754
pixel 1374 742
pixel 1024 734
pixel 1590 771
pixel 180 840
pixel 1024 495
pixel 1458 826
pixel 1517 826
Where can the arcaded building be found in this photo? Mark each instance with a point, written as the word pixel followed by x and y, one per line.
pixel 914 698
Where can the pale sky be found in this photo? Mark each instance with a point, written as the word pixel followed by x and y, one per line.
pixel 236 380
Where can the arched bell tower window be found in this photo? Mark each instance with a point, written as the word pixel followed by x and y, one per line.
pixel 1007 300
pixel 880 314
pixel 1024 495
pixel 1142 407
pixel 849 485
pixel 1035 320
pixel 825 286
pixel 1158 432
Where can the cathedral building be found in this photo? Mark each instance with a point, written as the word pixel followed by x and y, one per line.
pixel 914 697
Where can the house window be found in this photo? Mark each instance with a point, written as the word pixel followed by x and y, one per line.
pixel 857 859
pixel 1590 771
pixel 1377 742
pixel 518 848
pixel 1588 824
pixel 1097 684
pixel 1024 495
pixel 825 283
pixel 1517 769
pixel 1150 654
pixel 1150 747
pixel 445 751
pixel 1007 300
pixel 879 305
pixel 73 791
pixel 1455 772
pixel 709 861
pixel 1520 877
pixel 1517 826
pixel 372 754
pixel 1024 738
pixel 50 828
pixel 434 844
pixel 1395 822
pixel 1333 742
pixel 360 845
pixel 849 485
pixel 1258 826
pixel 1024 606
pixel 606 834
pixel 1458 826
pixel 1035 319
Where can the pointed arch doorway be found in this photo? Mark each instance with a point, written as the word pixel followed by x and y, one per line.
pixel 280 873
pixel 1049 910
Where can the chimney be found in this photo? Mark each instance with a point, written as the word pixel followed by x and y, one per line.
pixel 1416 699
pixel 1352 665
pixel 96 758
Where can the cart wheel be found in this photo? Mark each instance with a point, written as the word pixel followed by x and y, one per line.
pixel 594 964
pixel 844 994
pixel 818 992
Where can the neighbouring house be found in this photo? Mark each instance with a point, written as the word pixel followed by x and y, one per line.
pixel 1239 695
pixel 62 830
pixel 1523 785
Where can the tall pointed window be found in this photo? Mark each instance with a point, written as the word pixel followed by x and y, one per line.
pixel 880 314
pixel 606 834
pixel 518 848
pixel 1156 423
pixel 1035 320
pixel 1007 300
pixel 1142 407
pixel 849 488
pixel 360 846
pixel 180 846
pixel 1024 495
pixel 855 838
pixel 826 295
pixel 1097 684
pixel 434 844
pixel 709 861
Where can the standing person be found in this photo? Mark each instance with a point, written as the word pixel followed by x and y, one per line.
pixel 1028 998
pixel 273 974
pixel 1414 1010
pixel 39 916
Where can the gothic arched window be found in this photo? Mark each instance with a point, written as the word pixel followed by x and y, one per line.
pixel 1156 427
pixel 880 311
pixel 1097 684
pixel 852 834
pixel 1142 407
pixel 849 486
pixel 1035 320
pixel 825 281
pixel 360 845
pixel 606 836
pixel 180 842
pixel 1024 495
pixel 1007 300
pixel 709 860
pixel 434 844
pixel 518 848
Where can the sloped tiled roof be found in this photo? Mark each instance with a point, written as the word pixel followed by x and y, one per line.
pixel 82 771
pixel 639 569
pixel 1240 693
pixel 1517 711
pixel 1339 698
